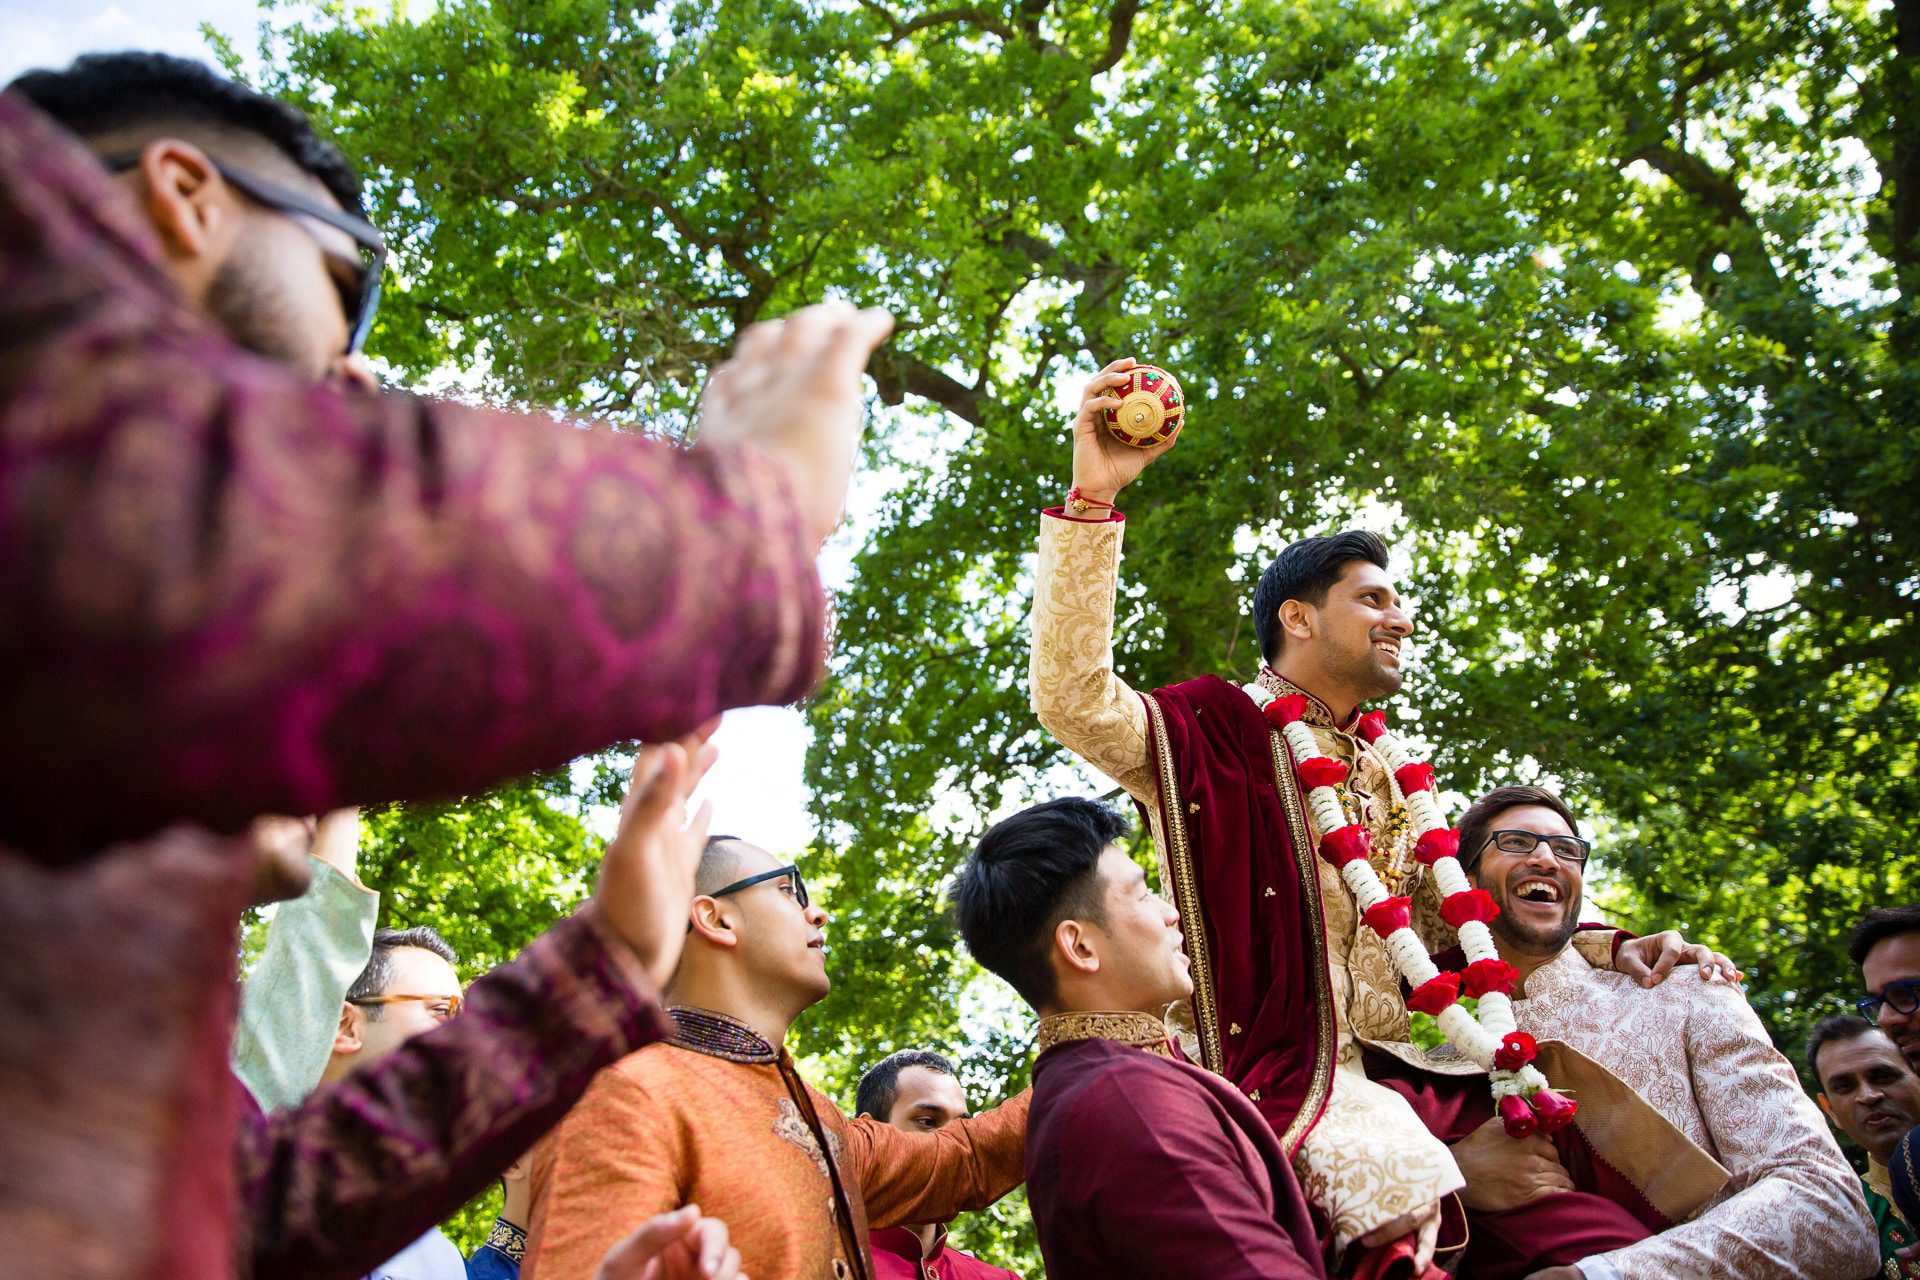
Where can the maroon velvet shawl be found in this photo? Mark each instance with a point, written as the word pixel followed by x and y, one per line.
pixel 1237 857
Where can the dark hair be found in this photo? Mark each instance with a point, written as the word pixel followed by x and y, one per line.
pixel 1877 926
pixel 1477 822
pixel 879 1088
pixel 1306 570
pixel 1028 873
pixel 102 93
pixel 719 863
pixel 1842 1026
pixel 374 978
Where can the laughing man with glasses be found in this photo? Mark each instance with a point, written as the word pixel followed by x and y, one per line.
pixel 1776 1199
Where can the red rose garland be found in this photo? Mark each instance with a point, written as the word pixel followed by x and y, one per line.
pixel 1490 1039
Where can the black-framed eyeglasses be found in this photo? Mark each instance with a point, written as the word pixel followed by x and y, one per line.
pixel 1903 995
pixel 1566 848
pixel 360 291
pixel 791 871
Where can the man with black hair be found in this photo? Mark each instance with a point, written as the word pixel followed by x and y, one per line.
pixel 226 557
pixel 1138 1162
pixel 1873 1096
pixel 1293 995
pixel 1696 1154
pixel 1886 946
pixel 719 1115
pixel 918 1091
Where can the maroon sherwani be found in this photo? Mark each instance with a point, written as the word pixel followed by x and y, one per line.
pixel 224 591
pixel 1142 1165
pixel 1241 862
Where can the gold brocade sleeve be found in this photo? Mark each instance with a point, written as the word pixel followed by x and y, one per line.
pixel 1086 707
pixel 1370 1160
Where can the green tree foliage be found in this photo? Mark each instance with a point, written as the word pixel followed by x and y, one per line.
pixel 1606 310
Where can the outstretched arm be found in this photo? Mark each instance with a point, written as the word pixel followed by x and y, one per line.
pixel 310 596
pixel 1076 695
pixel 930 1177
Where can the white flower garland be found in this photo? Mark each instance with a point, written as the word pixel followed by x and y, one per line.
pixel 1492 1039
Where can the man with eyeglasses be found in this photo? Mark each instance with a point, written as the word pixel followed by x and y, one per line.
pixel 719 1116
pixel 236 580
pixel 1782 1204
pixel 408 988
pixel 1886 946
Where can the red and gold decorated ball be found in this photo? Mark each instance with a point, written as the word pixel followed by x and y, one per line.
pixel 1152 407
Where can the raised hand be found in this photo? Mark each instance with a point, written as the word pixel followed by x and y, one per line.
pixel 646 877
pixel 793 389
pixel 680 1245
pixel 1102 464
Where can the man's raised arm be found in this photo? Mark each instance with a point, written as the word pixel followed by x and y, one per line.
pixel 1078 698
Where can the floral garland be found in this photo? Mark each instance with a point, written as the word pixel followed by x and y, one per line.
pixel 1492 1040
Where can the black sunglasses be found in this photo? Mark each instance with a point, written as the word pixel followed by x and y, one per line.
pixel 1903 995
pixel 799 885
pixel 361 298
pixel 1566 848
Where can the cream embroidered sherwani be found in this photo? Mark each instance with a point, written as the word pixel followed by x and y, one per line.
pixel 1369 1160
pixel 1695 1051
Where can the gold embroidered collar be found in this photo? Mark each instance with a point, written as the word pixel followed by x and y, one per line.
pixel 1318 712
pixel 1141 1030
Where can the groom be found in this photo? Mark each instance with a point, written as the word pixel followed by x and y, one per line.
pixel 1289 985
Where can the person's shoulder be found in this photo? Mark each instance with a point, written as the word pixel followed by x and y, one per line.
pixel 1101 1075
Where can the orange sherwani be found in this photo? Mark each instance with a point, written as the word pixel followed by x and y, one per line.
pixel 669 1126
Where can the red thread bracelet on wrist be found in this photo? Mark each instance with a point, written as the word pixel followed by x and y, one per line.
pixel 1079 502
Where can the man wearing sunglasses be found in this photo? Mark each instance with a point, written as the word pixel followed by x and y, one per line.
pixel 719 1115
pixel 238 581
pixel 1886 946
pixel 1781 1203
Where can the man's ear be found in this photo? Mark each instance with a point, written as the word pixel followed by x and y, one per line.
pixel 1073 943
pixel 194 211
pixel 1296 619
pixel 1821 1098
pixel 351 1037
pixel 710 921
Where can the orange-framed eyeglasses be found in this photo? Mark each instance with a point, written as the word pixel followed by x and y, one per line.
pixel 453 1003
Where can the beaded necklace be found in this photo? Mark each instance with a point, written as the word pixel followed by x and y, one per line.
pixel 719 1036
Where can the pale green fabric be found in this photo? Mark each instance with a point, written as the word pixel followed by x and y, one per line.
pixel 316 946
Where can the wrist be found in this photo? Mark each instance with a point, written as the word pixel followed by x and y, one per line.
pixel 1092 494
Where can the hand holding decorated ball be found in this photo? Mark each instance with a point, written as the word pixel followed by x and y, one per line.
pixel 1152 407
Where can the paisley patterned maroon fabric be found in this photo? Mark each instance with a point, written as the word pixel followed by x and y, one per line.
pixel 226 591
pixel 283 597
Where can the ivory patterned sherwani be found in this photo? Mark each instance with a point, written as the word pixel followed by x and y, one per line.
pixel 1695 1050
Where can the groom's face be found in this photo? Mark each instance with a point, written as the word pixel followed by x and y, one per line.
pixel 1363 629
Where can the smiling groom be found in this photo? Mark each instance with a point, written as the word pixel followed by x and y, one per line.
pixel 1296 999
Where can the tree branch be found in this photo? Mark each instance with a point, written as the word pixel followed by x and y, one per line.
pixel 1119 35
pixel 899 28
pixel 900 375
